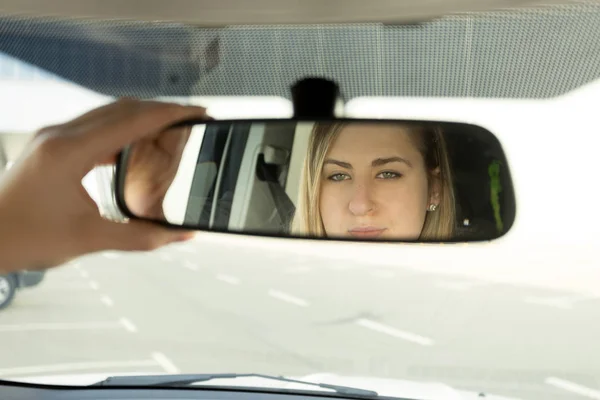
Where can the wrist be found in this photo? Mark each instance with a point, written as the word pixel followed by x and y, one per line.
pixel 19 244
pixel 12 258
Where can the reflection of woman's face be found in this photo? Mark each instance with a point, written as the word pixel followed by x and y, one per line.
pixel 374 184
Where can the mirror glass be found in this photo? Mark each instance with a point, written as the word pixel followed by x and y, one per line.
pixel 342 179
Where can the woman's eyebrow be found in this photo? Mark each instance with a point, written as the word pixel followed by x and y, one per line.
pixel 338 162
pixel 382 161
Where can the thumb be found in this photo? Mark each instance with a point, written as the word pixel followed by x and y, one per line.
pixel 135 236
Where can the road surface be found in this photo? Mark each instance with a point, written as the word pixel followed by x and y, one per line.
pixel 212 308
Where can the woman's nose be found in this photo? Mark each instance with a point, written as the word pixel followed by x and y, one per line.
pixel 361 202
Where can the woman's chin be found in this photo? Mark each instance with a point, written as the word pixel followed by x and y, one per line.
pixel 367 234
pixel 383 234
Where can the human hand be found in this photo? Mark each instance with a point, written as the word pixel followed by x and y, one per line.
pixel 151 168
pixel 46 215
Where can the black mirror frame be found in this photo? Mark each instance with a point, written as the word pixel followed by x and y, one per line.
pixel 123 158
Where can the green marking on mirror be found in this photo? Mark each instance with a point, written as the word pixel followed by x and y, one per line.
pixel 495 189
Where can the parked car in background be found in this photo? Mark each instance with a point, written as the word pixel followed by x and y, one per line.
pixel 11 283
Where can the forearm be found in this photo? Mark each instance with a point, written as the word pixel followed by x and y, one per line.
pixel 21 250
pixel 22 247
pixel 12 255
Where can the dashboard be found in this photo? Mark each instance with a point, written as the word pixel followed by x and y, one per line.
pixel 22 391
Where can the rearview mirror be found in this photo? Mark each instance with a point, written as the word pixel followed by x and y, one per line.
pixel 342 179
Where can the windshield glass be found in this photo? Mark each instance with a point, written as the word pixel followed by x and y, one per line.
pixel 513 317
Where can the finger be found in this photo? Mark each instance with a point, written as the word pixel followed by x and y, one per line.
pixel 99 113
pixel 107 161
pixel 90 120
pixel 135 236
pixel 173 141
pixel 121 104
pixel 112 159
pixel 152 117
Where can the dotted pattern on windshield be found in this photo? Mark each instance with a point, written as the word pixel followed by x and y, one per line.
pixel 526 53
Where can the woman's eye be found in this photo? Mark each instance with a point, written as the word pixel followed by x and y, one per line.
pixel 338 177
pixel 388 175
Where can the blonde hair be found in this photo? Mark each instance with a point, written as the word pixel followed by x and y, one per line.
pixel 439 224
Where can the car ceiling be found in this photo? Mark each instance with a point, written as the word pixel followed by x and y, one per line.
pixel 504 53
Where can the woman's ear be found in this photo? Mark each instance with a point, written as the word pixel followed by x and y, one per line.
pixel 435 187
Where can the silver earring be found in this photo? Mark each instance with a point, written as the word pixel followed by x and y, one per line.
pixel 432 207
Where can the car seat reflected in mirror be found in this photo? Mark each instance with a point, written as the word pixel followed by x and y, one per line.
pixel 342 179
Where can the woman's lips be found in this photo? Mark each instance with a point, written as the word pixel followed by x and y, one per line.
pixel 366 232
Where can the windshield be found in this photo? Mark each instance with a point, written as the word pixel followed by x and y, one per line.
pixel 514 317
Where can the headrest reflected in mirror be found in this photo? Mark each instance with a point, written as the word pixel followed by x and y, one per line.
pixel 342 179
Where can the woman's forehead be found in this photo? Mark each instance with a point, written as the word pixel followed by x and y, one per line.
pixel 361 140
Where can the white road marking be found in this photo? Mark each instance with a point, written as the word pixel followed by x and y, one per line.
pixel 59 326
pixel 68 367
pixel 84 274
pixel 64 287
pixel 573 388
pixel 107 301
pixel 187 249
pixel 388 330
pixel 338 267
pixel 232 280
pixel 383 274
pixel 94 285
pixel 288 298
pixel 459 286
pixel 550 302
pixel 190 265
pixel 166 257
pixel 76 265
pixel 128 325
pixel 563 302
pixel 298 270
pixel 111 255
pixel 165 363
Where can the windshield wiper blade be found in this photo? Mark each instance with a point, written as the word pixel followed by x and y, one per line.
pixel 190 379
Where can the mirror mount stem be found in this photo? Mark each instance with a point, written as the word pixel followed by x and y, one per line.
pixel 315 98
